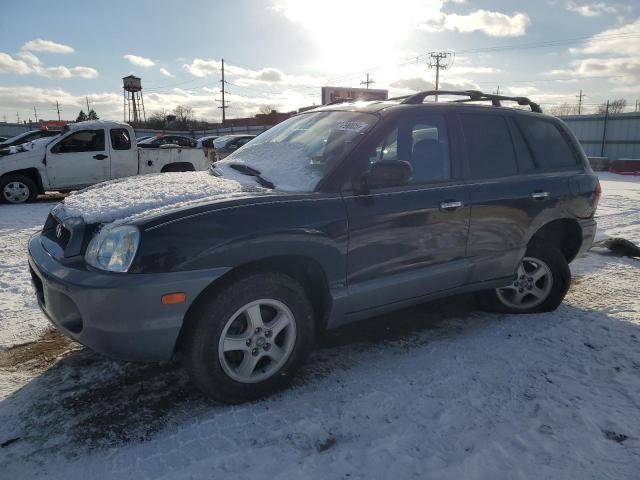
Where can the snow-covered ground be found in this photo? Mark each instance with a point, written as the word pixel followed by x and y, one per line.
pixel 441 390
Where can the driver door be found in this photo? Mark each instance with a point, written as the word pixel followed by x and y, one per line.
pixel 79 159
pixel 408 240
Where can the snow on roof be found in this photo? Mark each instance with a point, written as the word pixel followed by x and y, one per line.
pixel 148 194
pixel 94 124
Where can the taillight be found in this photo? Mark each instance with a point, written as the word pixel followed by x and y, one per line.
pixel 597 194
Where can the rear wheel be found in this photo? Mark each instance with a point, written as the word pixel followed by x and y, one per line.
pixel 539 284
pixel 249 339
pixel 17 188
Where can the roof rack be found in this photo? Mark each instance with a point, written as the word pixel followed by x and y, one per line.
pixel 474 96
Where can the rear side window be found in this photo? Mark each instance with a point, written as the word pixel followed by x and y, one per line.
pixel 523 152
pixel 489 146
pixel 120 139
pixel 550 148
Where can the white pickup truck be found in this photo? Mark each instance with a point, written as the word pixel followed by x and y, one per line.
pixel 86 153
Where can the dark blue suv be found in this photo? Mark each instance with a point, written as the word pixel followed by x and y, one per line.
pixel 345 212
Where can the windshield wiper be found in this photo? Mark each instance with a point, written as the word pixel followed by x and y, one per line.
pixel 252 172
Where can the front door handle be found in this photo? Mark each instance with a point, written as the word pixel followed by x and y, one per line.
pixel 450 205
pixel 100 156
pixel 539 195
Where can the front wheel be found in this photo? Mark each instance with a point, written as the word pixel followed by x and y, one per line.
pixel 17 188
pixel 249 339
pixel 539 284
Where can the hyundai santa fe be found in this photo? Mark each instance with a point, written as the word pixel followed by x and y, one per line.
pixel 334 215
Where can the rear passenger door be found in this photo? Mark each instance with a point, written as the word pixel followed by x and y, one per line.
pixel 408 240
pixel 511 191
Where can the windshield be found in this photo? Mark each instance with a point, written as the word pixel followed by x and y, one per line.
pixel 220 142
pixel 299 152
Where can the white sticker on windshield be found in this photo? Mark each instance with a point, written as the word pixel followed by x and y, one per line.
pixel 351 125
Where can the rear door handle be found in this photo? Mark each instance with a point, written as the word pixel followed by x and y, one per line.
pixel 100 156
pixel 450 205
pixel 539 195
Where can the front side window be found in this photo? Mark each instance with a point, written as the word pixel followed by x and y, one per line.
pixel 120 139
pixel 550 148
pixel 423 142
pixel 82 141
pixel 489 147
pixel 299 152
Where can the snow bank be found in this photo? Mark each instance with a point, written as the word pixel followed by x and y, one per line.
pixel 151 194
pixel 287 165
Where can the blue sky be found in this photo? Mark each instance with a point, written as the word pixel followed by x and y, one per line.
pixel 279 52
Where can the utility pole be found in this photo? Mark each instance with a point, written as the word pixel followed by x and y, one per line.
pixel 604 129
pixel 18 117
pixel 636 105
pixel 223 102
pixel 498 90
pixel 580 97
pixel 58 109
pixel 368 81
pixel 35 113
pixel 87 98
pixel 436 61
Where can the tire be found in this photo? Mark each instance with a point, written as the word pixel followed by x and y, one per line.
pixel 543 294
pixel 210 328
pixel 17 188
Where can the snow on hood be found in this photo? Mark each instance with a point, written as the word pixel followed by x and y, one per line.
pixel 38 144
pixel 287 165
pixel 146 194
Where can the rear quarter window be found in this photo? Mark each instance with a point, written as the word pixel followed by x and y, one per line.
pixel 489 146
pixel 550 147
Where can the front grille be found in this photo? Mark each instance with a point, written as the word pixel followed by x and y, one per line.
pixel 56 231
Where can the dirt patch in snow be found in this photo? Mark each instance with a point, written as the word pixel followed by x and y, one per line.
pixel 38 354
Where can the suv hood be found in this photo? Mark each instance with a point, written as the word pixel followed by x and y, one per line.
pixel 135 197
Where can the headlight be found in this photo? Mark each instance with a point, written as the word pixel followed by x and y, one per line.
pixel 113 249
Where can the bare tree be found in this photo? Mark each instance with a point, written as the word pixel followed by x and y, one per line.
pixel 157 119
pixel 562 110
pixel 615 106
pixel 266 109
pixel 184 115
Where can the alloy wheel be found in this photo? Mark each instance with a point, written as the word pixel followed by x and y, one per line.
pixel 257 341
pixel 531 285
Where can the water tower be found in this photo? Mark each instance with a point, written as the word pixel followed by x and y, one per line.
pixel 133 101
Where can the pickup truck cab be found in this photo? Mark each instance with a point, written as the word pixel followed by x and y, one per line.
pixel 84 154
pixel 334 215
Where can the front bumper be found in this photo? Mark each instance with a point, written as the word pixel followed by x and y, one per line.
pixel 117 314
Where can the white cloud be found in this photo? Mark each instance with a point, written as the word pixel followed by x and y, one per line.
pixel 621 40
pixel 203 68
pixel 28 63
pixel 494 24
pixel 268 75
pixel 612 53
pixel 40 45
pixel 8 64
pixel 166 72
pixel 139 61
pixel 590 9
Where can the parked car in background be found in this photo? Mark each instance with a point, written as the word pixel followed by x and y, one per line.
pixel 228 144
pixel 2 139
pixel 160 140
pixel 86 153
pixel 144 137
pixel 27 137
pixel 206 142
pixel 334 215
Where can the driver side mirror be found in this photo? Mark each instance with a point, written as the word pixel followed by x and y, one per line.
pixel 387 173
